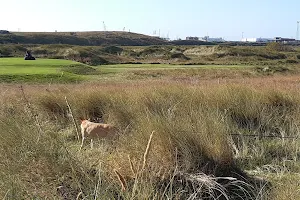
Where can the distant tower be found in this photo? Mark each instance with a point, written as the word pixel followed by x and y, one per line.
pixel 104 26
pixel 297 34
pixel 124 28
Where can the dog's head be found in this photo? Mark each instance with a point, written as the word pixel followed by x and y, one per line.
pixel 82 119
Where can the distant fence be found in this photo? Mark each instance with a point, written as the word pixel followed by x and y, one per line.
pixel 264 136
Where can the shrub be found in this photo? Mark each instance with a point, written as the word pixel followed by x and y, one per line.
pixel 179 55
pixel 290 61
pixel 113 50
pixel 5 51
pixel 277 46
pixel 40 51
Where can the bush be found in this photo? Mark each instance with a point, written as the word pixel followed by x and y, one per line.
pixel 113 50
pixel 290 61
pixel 179 55
pixel 277 46
pixel 5 51
pixel 40 51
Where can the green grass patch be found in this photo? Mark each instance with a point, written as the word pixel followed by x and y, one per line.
pixel 41 70
pixel 79 69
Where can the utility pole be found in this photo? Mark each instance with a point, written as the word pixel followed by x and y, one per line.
pixel 104 27
pixel 297 34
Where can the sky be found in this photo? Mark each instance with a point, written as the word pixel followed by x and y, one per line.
pixel 229 19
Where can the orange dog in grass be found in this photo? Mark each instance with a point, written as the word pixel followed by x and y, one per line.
pixel 95 130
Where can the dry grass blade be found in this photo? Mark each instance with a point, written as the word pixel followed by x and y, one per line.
pixel 147 151
pixel 133 170
pixel 74 122
pixel 121 180
pixel 32 113
pixel 78 196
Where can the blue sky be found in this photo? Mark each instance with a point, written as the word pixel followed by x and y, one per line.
pixel 176 19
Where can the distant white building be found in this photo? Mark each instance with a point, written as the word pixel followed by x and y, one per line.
pixel 208 39
pixel 257 40
pixel 284 40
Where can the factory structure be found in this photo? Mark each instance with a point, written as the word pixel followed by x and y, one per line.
pixel 246 40
pixel 283 40
pixel 267 40
pixel 205 39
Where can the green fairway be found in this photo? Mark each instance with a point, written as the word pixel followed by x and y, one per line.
pixel 62 71
pixel 40 70
pixel 40 66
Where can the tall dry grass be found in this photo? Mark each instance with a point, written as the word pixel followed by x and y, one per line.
pixel 191 153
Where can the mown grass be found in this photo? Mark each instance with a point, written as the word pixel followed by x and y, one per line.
pixel 18 70
pixel 190 150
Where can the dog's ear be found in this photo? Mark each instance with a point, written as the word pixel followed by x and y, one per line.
pixel 81 119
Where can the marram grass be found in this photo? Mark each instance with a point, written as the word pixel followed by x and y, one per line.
pixel 189 156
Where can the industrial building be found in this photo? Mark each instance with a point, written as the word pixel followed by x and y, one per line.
pixel 206 39
pixel 263 40
pixel 284 40
pixel 192 38
pixel 266 40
